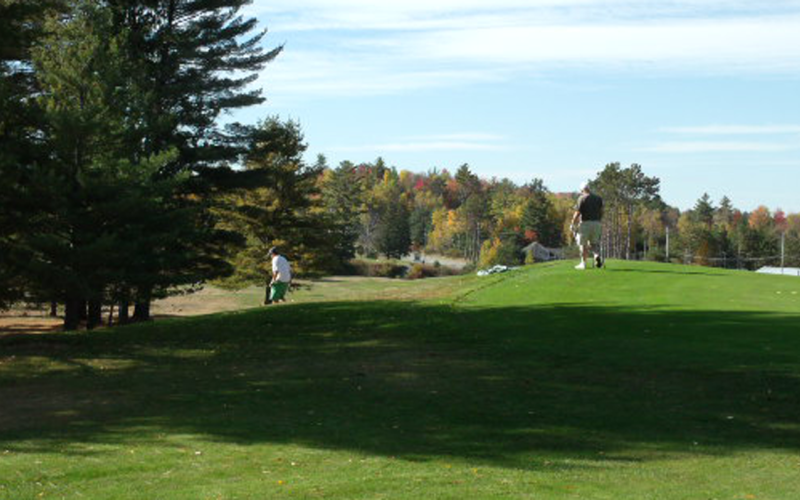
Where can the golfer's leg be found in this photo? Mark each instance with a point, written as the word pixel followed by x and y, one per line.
pixel 279 291
pixel 582 264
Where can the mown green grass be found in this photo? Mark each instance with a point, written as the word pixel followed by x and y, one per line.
pixel 642 381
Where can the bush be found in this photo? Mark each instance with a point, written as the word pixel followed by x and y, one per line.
pixel 498 251
pixel 419 271
pixel 394 269
pixel 369 269
pixel 657 255
pixel 529 258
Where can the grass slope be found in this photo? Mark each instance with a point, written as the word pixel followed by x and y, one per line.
pixel 642 381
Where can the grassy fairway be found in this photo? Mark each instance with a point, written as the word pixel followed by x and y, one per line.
pixel 642 381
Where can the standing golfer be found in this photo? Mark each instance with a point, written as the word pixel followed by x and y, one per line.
pixel 281 277
pixel 588 213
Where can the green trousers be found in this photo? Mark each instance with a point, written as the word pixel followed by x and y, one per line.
pixel 278 291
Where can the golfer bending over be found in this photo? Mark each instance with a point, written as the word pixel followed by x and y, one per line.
pixel 281 277
pixel 589 213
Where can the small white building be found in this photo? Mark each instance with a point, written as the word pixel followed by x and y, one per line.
pixel 541 253
pixel 785 271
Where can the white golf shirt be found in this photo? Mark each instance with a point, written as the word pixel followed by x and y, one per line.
pixel 281 266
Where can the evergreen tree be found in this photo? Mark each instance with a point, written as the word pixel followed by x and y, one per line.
pixel 759 247
pixel 343 197
pixel 76 69
pixel 468 183
pixel 87 239
pixel 703 211
pixel 393 237
pixel 420 224
pixel 197 59
pixel 287 213
pixel 103 189
pixel 21 23
pixel 724 213
pixel 537 216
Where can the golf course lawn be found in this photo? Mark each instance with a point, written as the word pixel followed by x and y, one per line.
pixel 642 381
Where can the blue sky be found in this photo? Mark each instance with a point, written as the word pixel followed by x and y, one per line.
pixel 704 94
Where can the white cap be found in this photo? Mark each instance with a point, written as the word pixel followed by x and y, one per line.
pixel 584 186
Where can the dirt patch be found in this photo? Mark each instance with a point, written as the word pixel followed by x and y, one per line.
pixel 36 320
pixel 32 319
pixel 19 325
pixel 209 300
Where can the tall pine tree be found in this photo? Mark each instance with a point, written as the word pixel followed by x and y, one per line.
pixel 21 150
pixel 287 213
pixel 88 192
pixel 343 199
pixel 199 59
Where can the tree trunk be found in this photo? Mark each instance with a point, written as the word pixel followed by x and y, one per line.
pixel 53 309
pixel 628 241
pixel 141 312
pixel 95 318
pixel 617 244
pixel 122 315
pixel 72 315
pixel 111 314
pixel 83 310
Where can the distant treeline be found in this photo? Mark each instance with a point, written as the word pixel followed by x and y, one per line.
pixel 489 221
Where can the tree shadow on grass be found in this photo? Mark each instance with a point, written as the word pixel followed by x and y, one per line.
pixel 506 386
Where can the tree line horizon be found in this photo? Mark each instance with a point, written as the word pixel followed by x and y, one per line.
pixel 488 221
pixel 121 186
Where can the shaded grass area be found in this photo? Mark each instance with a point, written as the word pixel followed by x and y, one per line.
pixel 500 392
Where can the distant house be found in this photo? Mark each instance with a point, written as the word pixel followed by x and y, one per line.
pixel 541 253
pixel 785 271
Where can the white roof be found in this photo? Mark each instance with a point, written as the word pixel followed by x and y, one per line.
pixel 786 271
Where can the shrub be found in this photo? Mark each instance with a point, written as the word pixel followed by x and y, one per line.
pixel 377 269
pixel 500 251
pixel 418 271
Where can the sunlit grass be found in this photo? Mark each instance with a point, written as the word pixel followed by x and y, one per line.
pixel 644 381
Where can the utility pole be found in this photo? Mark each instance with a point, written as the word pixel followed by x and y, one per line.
pixel 783 249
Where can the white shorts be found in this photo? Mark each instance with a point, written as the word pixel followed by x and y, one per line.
pixel 590 233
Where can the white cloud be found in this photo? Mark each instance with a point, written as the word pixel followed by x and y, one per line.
pixel 425 14
pixel 358 73
pixel 734 129
pixel 719 147
pixel 356 47
pixel 711 45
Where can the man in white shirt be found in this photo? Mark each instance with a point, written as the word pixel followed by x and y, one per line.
pixel 281 277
